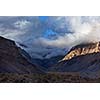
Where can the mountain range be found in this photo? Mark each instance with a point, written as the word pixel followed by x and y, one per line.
pixel 82 58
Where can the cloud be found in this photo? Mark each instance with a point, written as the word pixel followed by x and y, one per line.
pixel 21 28
pixel 23 24
pixel 77 30
pixel 69 31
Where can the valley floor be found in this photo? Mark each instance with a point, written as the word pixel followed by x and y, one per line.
pixel 45 78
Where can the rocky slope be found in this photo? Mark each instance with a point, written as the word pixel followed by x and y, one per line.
pixel 83 49
pixel 83 58
pixel 13 61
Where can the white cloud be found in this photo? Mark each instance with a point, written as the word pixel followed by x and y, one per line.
pixel 22 24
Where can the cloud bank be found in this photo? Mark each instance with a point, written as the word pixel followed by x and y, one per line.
pixel 51 37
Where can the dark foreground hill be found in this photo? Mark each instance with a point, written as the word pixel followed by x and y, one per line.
pixel 46 78
pixel 12 60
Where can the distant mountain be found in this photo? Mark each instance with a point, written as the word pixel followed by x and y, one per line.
pixel 46 64
pixel 15 60
pixel 83 58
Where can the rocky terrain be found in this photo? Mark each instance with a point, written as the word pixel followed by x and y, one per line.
pixel 12 60
pixel 84 58
pixel 46 78
pixel 83 49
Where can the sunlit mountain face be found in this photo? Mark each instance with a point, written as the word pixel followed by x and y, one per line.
pixel 49 36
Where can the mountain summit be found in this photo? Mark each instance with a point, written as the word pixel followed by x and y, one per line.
pixel 83 49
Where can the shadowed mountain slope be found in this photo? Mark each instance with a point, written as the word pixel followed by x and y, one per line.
pixel 13 61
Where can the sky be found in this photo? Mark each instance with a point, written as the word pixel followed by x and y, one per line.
pixel 43 18
pixel 49 36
